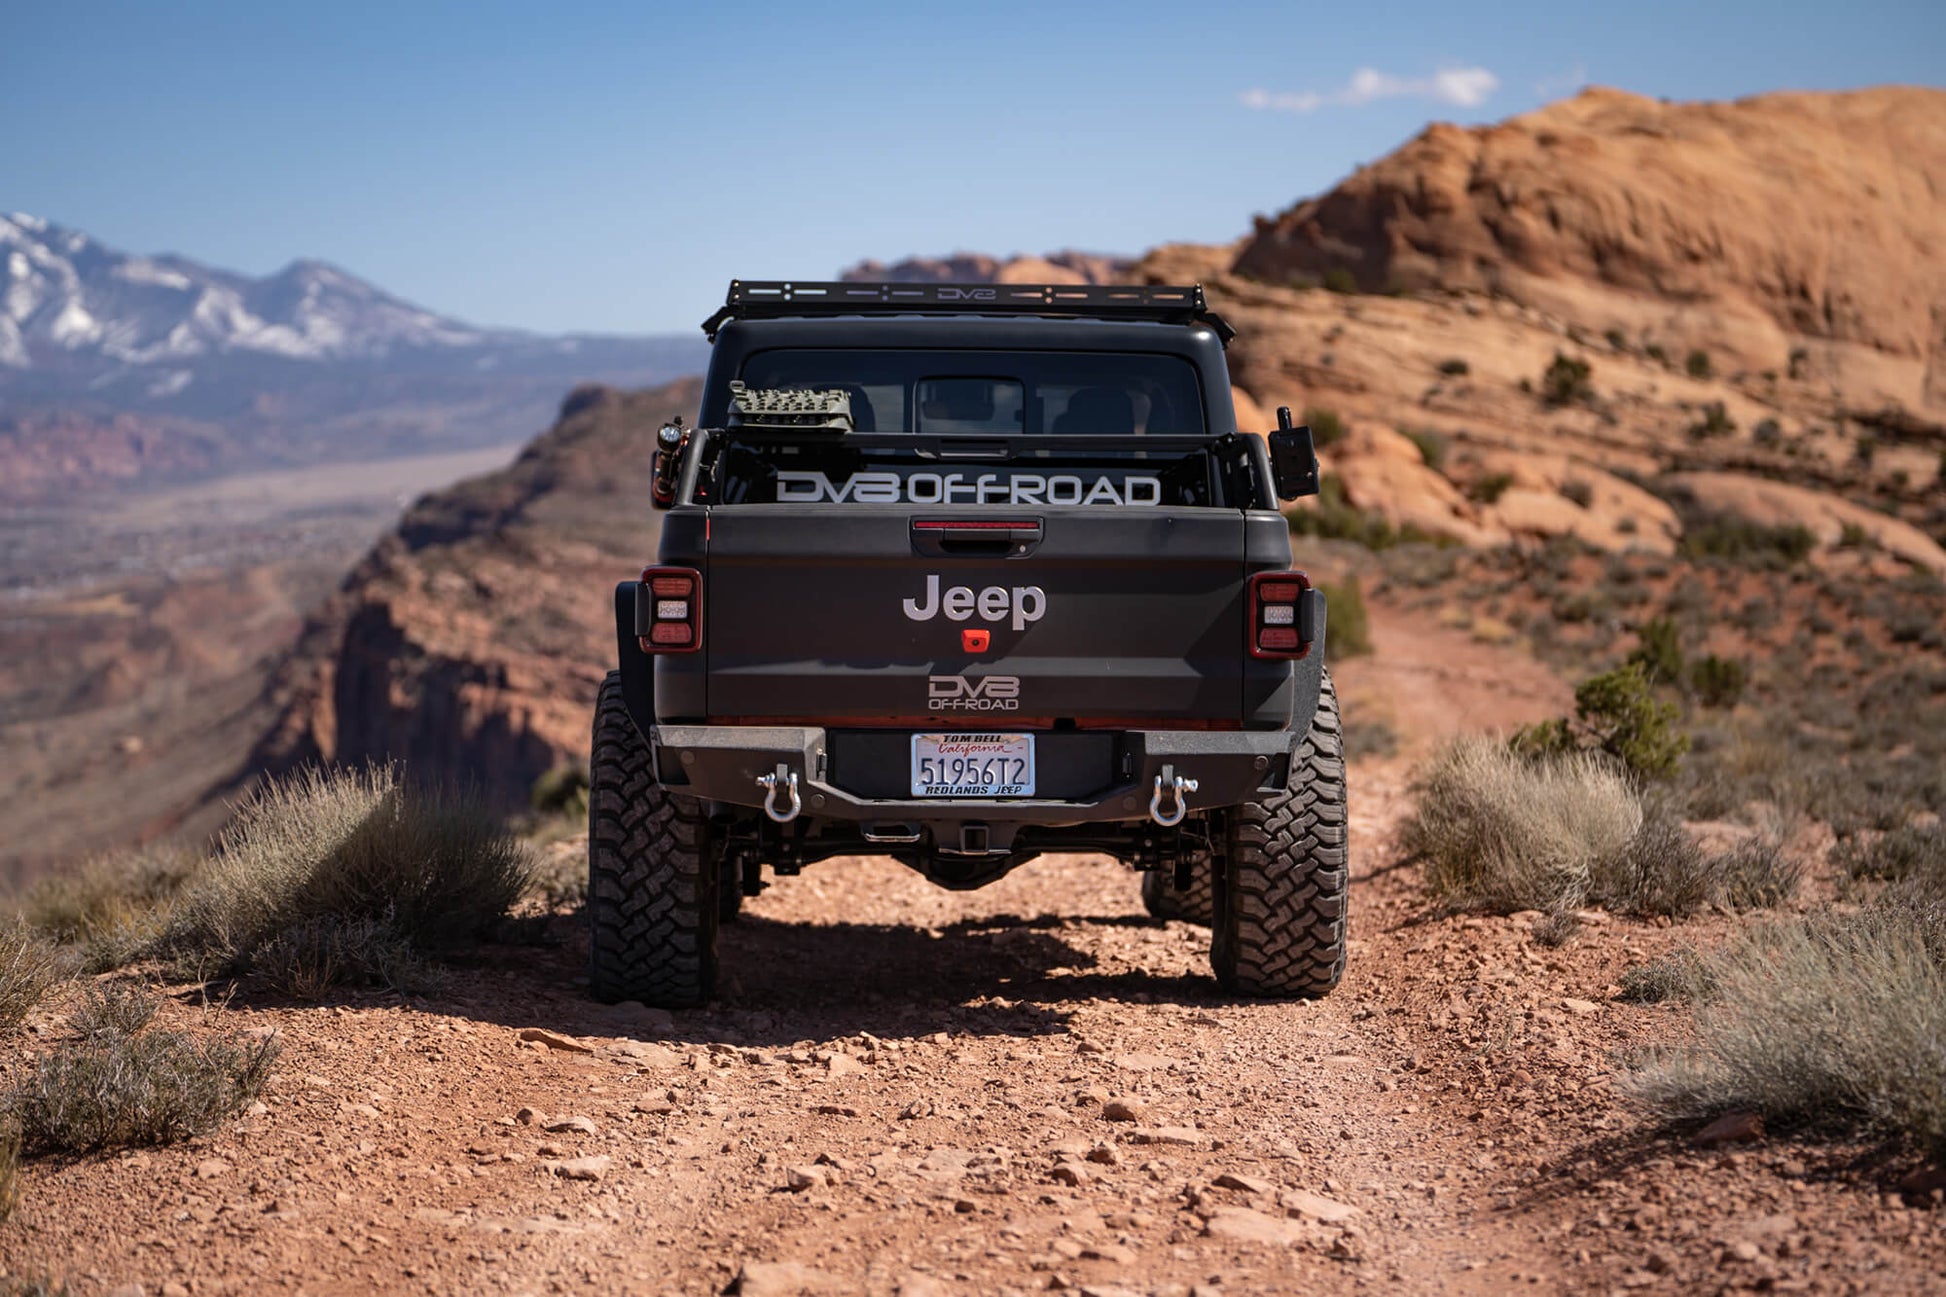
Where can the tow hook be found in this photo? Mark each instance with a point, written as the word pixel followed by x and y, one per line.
pixel 1176 786
pixel 785 779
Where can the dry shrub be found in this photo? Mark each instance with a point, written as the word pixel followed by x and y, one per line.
pixel 305 961
pixel 116 1009
pixel 115 907
pixel 1506 832
pixel 29 968
pixel 117 1088
pixel 1678 975
pixel 354 847
pixel 1833 1017
pixel 9 1171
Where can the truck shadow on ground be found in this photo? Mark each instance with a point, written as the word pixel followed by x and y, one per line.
pixel 783 983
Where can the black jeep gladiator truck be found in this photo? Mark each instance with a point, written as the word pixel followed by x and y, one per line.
pixel 960 574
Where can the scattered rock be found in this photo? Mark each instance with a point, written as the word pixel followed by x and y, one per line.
pixel 783 1279
pixel 1183 1135
pixel 1731 1128
pixel 1923 1180
pixel 1242 1225
pixel 582 1168
pixel 530 1116
pixel 809 1176
pixel 840 1065
pixel 210 1169
pixel 1299 1203
pixel 571 1125
pixel 1069 1173
pixel 648 1055
pixel 538 1036
pixel 1582 1008
pixel 1124 1110
pixel 1114 1252
pixel 1105 1154
pixel 916 1109
pixel 1244 1183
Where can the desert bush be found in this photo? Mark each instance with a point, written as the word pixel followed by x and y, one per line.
pixel 1347 624
pixel 1728 537
pixel 1454 367
pixel 115 1009
pixel 1489 489
pixel 1657 352
pixel 351 846
pixel 1566 381
pixel 1616 713
pixel 1755 874
pixel 1679 975
pixel 37 1286
pixel 1908 851
pixel 9 1171
pixel 562 790
pixel 1576 491
pixel 1327 429
pixel 151 1087
pixel 1716 422
pixel 1554 929
pixel 1374 737
pixel 1717 681
pixel 1834 1017
pixel 29 968
pixel 1697 364
pixel 1334 517
pixel 1658 870
pixel 308 959
pixel 1338 279
pixel 1658 649
pixel 1506 832
pixel 115 907
pixel 1616 339
pixel 1768 433
pixel 1432 446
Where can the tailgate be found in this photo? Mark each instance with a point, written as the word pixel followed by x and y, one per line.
pixel 838 615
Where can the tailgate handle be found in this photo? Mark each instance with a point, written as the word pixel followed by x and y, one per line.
pixel 976 537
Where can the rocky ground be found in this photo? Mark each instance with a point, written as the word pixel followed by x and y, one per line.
pixel 1029 1087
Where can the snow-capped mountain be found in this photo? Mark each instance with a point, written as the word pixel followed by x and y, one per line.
pixel 304 365
pixel 62 290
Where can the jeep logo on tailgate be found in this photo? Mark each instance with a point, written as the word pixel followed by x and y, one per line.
pixel 996 603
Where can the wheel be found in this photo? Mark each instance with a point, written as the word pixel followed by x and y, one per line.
pixel 652 875
pixel 1191 904
pixel 1280 897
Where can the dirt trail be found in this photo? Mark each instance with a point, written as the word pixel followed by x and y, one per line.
pixel 905 1090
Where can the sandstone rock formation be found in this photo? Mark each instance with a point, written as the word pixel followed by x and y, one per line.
pixel 1067 267
pixel 471 641
pixel 1744 227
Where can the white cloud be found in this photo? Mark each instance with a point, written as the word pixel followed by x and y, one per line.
pixel 1463 87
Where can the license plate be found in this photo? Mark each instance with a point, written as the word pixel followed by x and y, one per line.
pixel 972 765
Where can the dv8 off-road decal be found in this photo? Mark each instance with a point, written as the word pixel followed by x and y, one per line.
pixel 798 487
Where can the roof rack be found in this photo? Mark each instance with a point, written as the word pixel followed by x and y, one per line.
pixel 770 299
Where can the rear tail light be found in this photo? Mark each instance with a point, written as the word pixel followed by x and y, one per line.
pixel 669 610
pixel 1283 615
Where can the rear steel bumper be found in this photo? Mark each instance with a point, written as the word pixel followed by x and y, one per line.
pixel 723 763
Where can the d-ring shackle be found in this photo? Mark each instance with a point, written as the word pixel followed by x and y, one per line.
pixel 1176 786
pixel 786 779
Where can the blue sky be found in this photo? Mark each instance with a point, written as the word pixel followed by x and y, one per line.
pixel 608 167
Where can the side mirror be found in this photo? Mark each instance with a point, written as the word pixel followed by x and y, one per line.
pixel 669 439
pixel 1293 458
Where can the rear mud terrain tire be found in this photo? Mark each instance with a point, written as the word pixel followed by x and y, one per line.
pixel 652 876
pixel 1280 898
pixel 1191 904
